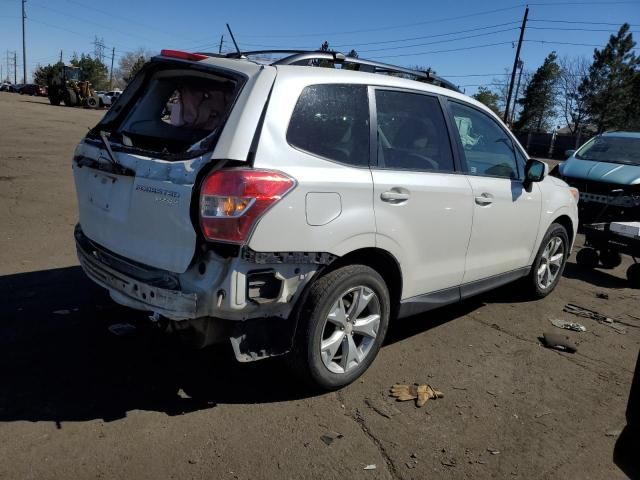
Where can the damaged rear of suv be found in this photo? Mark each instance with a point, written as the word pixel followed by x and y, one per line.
pixel 293 209
pixel 168 199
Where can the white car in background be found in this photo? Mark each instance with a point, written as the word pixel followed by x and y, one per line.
pixel 288 208
pixel 107 98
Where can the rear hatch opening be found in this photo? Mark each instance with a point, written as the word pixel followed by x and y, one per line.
pixel 172 110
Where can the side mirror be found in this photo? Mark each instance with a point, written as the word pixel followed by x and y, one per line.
pixel 568 153
pixel 534 171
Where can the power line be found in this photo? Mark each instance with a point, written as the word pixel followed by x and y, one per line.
pixel 439 41
pixel 125 18
pixel 391 27
pixel 574 29
pixel 447 50
pixel 110 28
pixel 580 21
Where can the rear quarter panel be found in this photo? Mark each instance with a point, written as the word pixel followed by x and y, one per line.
pixel 286 227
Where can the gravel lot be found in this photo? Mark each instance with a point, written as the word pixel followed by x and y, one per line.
pixel 79 402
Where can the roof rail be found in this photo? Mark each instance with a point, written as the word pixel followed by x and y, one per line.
pixel 300 56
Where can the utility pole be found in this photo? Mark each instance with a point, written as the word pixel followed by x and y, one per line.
pixel 24 46
pixel 113 54
pixel 515 64
pixel 221 40
pixel 515 98
pixel 15 67
pixel 60 56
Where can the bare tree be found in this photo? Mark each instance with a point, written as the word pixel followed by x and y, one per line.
pixel 572 105
pixel 129 63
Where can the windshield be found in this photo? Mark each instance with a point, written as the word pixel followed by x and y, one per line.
pixel 611 149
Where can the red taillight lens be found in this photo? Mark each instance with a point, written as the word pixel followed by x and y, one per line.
pixel 194 57
pixel 232 201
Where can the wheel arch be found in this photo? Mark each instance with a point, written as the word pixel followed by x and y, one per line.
pixel 382 262
pixel 567 223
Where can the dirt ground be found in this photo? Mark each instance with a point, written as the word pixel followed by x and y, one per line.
pixel 78 402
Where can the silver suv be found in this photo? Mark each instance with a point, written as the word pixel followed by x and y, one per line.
pixel 295 209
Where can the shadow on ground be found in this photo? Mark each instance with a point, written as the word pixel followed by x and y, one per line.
pixel 597 277
pixel 59 362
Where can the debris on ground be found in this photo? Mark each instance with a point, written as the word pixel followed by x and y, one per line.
pixel 542 414
pixel 370 467
pixel 593 315
pixel 576 327
pixel 420 393
pixel 493 451
pixel 613 433
pixel 559 342
pixel 449 463
pixel 329 437
pixel 122 329
pixel 603 296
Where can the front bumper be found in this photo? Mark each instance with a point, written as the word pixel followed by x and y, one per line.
pixel 130 291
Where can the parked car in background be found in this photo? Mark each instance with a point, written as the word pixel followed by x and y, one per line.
pixel 606 171
pixel 33 89
pixel 295 209
pixel 5 87
pixel 15 88
pixel 107 98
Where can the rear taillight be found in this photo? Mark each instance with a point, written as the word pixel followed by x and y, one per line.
pixel 232 201
pixel 194 57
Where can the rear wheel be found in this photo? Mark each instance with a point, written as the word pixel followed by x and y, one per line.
pixel 633 275
pixel 54 100
pixel 550 261
pixel 610 258
pixel 341 326
pixel 587 257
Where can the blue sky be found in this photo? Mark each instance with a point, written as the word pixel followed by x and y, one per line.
pixel 457 39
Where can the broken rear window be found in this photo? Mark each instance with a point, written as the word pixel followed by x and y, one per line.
pixel 176 111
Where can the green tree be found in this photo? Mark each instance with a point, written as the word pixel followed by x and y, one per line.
pixel 93 70
pixel 489 98
pixel 326 63
pixel 540 97
pixel 44 73
pixel 608 89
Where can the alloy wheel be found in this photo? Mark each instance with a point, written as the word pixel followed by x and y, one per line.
pixel 350 329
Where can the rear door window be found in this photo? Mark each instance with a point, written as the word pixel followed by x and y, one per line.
pixel 332 121
pixel 487 148
pixel 412 134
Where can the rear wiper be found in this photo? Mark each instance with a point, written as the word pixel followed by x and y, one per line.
pixel 107 145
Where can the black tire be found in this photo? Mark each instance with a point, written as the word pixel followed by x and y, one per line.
pixel 610 258
pixel 534 286
pixel 54 101
pixel 305 358
pixel 588 258
pixel 70 98
pixel 633 275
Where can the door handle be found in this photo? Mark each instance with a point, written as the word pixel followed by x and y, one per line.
pixel 394 196
pixel 484 199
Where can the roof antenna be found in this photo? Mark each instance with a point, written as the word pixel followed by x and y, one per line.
pixel 234 40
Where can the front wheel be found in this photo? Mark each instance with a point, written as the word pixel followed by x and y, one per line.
pixel 549 263
pixel 341 326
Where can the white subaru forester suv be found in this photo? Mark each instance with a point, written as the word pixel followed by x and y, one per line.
pixel 293 209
